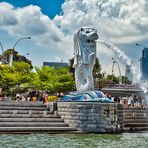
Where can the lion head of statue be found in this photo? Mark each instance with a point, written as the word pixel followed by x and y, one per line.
pixel 88 35
pixel 85 45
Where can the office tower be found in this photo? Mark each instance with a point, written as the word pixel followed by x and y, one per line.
pixel 144 64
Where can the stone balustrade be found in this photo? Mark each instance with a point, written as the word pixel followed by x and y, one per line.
pixel 90 116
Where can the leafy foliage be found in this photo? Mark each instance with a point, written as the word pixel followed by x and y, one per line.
pixel 55 80
pixel 16 57
pixel 20 77
pixel 15 77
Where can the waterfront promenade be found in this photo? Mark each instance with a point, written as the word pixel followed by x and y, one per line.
pixel 70 117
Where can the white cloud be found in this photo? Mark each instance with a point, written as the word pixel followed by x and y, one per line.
pixel 115 18
pixel 28 21
pixel 118 21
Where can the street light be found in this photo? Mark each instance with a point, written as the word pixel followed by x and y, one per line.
pixel 20 40
pixel 120 77
pixel 141 45
pixel 11 54
pixel 2 47
pixel 3 57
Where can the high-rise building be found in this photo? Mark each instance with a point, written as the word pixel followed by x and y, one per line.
pixel 128 73
pixel 55 64
pixel 144 64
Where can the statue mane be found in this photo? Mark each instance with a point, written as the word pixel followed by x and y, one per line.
pixel 84 57
pixel 84 43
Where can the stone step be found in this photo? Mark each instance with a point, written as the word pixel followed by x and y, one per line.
pixel 127 129
pixel 22 108
pixel 33 124
pixel 133 110
pixel 28 116
pixel 139 113
pixel 133 117
pixel 136 124
pixel 31 119
pixel 24 112
pixel 135 121
pixel 135 114
pixel 35 129
pixel 22 103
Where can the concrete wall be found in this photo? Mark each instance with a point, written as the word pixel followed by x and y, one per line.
pixel 89 116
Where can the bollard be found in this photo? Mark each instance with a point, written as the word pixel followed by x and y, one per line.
pixel 30 112
pixel 14 112
pixel 45 112
pixel 53 107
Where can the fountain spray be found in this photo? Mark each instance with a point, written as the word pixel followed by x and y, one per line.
pixel 143 85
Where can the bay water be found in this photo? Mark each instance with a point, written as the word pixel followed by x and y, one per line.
pixel 126 140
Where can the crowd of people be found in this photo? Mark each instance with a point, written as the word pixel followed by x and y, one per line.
pixel 131 101
pixel 36 95
pixel 43 96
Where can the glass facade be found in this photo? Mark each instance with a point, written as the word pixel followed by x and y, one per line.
pixel 144 64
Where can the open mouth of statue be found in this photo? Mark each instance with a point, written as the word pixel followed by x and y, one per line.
pixel 90 41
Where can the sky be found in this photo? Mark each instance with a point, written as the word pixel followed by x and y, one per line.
pixel 51 25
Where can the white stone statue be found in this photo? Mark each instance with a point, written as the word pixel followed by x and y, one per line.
pixel 84 57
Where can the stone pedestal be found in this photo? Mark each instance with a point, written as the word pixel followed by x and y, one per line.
pixel 90 116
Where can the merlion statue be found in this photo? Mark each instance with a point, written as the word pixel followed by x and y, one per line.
pixel 84 57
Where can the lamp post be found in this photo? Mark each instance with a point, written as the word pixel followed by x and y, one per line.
pixel 2 47
pixel 137 44
pixel 11 54
pixel 115 62
pixel 3 57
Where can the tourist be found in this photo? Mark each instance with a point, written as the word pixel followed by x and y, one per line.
pixel 45 97
pixel 28 98
pixel 109 96
pixel 23 98
pixel 135 99
pixel 126 101
pixel 1 96
pixel 117 99
pixel 130 101
pixel 61 94
pixel 18 97
pixel 143 104
pixel 121 100
pixel 34 98
pixel 40 97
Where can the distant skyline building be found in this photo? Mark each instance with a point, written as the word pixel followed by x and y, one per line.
pixel 55 64
pixel 128 73
pixel 144 63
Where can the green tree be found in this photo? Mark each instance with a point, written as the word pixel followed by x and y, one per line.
pixel 55 80
pixel 97 72
pixel 71 68
pixel 113 79
pixel 16 57
pixel 125 80
pixel 15 78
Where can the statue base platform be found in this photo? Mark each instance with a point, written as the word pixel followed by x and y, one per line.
pixel 94 95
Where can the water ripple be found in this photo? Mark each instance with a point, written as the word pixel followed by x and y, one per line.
pixel 128 140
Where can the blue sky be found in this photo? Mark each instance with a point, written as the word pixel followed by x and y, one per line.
pixel 119 22
pixel 48 7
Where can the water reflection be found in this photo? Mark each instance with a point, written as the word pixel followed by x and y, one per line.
pixel 126 140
